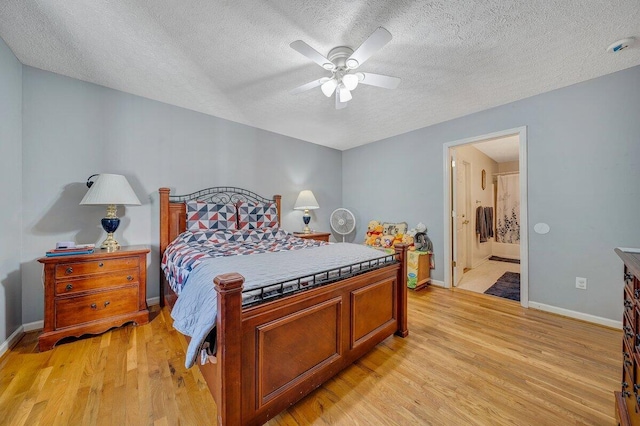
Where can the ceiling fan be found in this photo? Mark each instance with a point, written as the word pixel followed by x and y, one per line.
pixel 342 62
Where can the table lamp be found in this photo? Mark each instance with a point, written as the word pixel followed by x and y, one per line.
pixel 306 201
pixel 109 190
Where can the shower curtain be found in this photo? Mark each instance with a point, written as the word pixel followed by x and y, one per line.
pixel 508 209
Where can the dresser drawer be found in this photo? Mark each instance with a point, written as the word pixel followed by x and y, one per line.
pixel 629 303
pixel 116 279
pixel 68 270
pixel 92 307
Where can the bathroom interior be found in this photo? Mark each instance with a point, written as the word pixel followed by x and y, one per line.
pixel 487 225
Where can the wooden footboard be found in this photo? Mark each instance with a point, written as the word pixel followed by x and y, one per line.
pixel 271 355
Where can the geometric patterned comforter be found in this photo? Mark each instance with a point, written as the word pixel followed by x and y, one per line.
pixel 190 248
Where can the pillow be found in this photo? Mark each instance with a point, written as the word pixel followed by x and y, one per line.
pixel 214 236
pixel 394 228
pixel 202 216
pixel 257 215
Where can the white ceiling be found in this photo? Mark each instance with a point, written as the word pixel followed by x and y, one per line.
pixel 232 59
pixel 501 150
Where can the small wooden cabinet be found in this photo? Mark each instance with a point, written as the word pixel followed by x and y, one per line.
pixel 418 269
pixel 319 236
pixel 627 398
pixel 91 293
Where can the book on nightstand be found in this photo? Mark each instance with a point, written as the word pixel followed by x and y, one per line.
pixel 79 249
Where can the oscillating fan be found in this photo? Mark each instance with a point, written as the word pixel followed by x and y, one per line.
pixel 343 222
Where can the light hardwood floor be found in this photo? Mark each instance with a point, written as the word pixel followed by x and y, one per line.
pixel 469 359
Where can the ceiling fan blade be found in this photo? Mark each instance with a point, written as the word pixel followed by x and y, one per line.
pixel 311 85
pixel 380 80
pixel 308 51
pixel 375 42
pixel 340 105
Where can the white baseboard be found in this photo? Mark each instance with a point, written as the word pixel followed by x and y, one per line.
pixel 153 301
pixel 577 315
pixel 11 340
pixel 36 325
pixel 480 262
pixel 437 283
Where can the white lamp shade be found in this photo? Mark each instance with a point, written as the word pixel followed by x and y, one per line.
pixel 350 81
pixel 328 87
pixel 306 201
pixel 110 189
pixel 345 94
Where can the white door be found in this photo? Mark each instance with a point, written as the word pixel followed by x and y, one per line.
pixel 461 219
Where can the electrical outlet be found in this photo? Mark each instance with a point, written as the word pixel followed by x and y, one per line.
pixel 581 283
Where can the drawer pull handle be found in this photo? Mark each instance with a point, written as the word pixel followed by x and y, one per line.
pixel 129 277
pixel 94 306
pixel 106 303
pixel 636 293
pixel 624 385
pixel 626 394
pixel 69 286
pixel 101 264
pixel 628 304
pixel 628 277
pixel 69 270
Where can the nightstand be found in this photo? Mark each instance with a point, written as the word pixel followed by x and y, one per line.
pixel 91 293
pixel 319 236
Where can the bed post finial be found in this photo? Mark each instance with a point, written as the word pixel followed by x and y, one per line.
pixel 401 253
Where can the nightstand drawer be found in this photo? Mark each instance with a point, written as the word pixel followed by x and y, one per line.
pixel 67 270
pixel 116 279
pixel 92 307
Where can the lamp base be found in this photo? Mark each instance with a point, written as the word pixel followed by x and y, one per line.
pixel 110 243
pixel 110 223
pixel 306 218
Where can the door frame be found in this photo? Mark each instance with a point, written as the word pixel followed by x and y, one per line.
pixel 524 223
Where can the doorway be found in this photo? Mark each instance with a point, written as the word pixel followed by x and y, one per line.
pixel 474 169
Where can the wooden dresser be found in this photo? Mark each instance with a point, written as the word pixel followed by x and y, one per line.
pixel 628 397
pixel 91 293
pixel 320 236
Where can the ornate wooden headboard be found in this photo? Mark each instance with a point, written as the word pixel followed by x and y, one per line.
pixel 173 213
pixel 173 218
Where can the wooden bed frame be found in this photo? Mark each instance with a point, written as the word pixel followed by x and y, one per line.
pixel 271 355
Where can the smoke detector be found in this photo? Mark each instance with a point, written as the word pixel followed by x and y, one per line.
pixel 620 45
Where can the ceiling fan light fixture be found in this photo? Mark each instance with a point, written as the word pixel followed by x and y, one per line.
pixel 329 87
pixel 350 81
pixel 352 63
pixel 345 94
pixel 360 76
pixel 328 66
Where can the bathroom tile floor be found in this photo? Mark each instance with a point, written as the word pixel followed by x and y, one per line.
pixel 484 276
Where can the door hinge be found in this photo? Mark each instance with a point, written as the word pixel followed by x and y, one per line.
pixel 453 263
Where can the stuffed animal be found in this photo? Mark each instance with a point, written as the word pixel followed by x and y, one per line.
pixel 408 239
pixel 386 241
pixel 374 231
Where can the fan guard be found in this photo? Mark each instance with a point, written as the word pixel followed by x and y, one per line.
pixel 342 221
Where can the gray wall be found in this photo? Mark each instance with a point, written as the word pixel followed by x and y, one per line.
pixel 584 175
pixel 73 129
pixel 10 191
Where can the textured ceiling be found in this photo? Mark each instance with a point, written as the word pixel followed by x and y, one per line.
pixel 232 59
